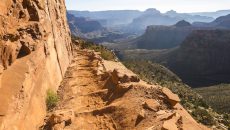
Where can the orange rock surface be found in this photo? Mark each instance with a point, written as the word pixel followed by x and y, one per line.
pixel 35 51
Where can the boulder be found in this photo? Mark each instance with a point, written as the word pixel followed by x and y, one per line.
pixel 161 112
pixel 141 114
pixel 171 124
pixel 151 104
pixel 119 76
pixel 140 117
pixel 59 126
pixel 172 98
pixel 60 117
pixel 166 116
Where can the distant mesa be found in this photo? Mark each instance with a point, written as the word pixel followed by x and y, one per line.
pixel 182 23
pixel 152 11
pixel 223 21
pixel 171 12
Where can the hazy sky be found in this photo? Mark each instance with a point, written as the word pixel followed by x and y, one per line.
pixel 162 5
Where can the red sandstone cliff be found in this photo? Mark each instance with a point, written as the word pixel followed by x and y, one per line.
pixel 35 51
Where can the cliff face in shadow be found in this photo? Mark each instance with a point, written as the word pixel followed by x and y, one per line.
pixel 163 37
pixel 203 58
pixel 35 51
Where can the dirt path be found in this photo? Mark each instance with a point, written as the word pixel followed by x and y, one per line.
pixel 115 100
pixel 83 92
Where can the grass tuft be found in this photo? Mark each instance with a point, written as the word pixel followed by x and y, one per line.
pixel 104 52
pixel 51 99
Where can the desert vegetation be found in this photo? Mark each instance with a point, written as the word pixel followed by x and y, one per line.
pixel 104 52
pixel 218 97
pixel 51 99
pixel 190 99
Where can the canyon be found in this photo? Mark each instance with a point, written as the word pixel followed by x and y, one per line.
pixel 37 54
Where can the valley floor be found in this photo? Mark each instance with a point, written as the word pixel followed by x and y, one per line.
pixel 217 96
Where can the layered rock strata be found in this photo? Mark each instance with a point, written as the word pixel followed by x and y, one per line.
pixel 35 51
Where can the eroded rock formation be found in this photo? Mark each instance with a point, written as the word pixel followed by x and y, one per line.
pixel 35 51
pixel 203 58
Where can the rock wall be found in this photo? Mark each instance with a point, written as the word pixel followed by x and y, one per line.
pixel 35 51
pixel 164 37
pixel 203 58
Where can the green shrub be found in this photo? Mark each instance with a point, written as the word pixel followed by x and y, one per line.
pixel 217 97
pixel 203 116
pixel 51 99
pixel 105 53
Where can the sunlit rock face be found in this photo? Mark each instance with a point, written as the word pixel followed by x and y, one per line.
pixel 35 51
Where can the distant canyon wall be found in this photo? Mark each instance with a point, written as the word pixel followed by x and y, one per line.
pixel 35 51
pixel 203 58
